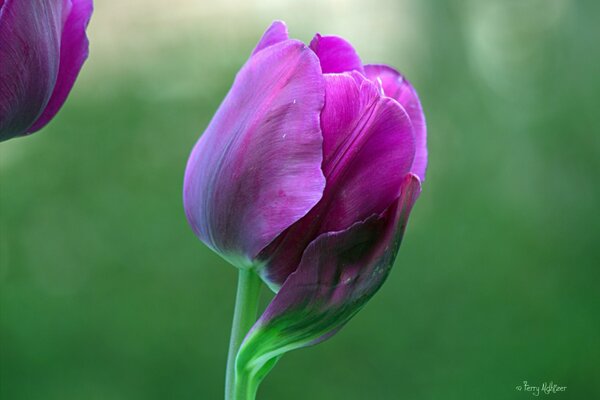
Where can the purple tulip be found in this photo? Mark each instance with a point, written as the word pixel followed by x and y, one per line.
pixel 42 48
pixel 306 175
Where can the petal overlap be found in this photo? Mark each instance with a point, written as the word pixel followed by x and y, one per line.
pixel 307 175
pixel 336 54
pixel 339 272
pixel 256 169
pixel 368 148
pixel 396 86
pixel 43 46
pixel 73 53
pixel 30 35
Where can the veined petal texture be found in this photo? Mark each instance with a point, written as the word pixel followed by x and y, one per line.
pixel 73 53
pixel 43 46
pixel 256 170
pixel 30 36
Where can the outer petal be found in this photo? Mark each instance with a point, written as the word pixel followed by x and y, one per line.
pixel 256 169
pixel 368 149
pixel 276 33
pixel 30 33
pixel 335 54
pixel 338 274
pixel 73 52
pixel 396 86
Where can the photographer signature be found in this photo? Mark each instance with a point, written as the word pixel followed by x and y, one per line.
pixel 545 388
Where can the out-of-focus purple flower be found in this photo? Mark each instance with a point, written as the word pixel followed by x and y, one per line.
pixel 307 174
pixel 43 45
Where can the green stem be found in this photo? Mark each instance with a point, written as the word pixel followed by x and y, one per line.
pixel 244 316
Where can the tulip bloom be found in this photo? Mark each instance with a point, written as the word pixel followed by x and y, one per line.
pixel 306 176
pixel 42 48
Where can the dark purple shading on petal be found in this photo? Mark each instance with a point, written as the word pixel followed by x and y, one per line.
pixel 276 33
pixel 396 86
pixel 335 54
pixel 30 34
pixel 338 274
pixel 256 169
pixel 73 53
pixel 368 149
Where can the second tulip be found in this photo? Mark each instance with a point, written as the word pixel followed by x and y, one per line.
pixel 43 46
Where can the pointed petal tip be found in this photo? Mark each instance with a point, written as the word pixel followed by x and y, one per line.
pixel 275 33
pixel 278 23
pixel 409 193
pixel 414 181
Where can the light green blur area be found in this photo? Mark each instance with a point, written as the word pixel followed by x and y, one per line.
pixel 106 294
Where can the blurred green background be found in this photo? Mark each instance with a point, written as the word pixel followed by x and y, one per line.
pixel 105 293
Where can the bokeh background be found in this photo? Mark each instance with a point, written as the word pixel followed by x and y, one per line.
pixel 106 294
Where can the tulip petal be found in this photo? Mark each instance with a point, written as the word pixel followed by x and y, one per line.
pixel 335 54
pixel 396 86
pixel 339 272
pixel 30 34
pixel 73 53
pixel 256 169
pixel 368 149
pixel 276 33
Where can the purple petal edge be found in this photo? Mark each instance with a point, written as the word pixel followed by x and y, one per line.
pixel 322 268
pixel 74 50
pixel 397 87
pixel 30 34
pixel 274 34
pixel 339 273
pixel 336 54
pixel 368 148
pixel 256 169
